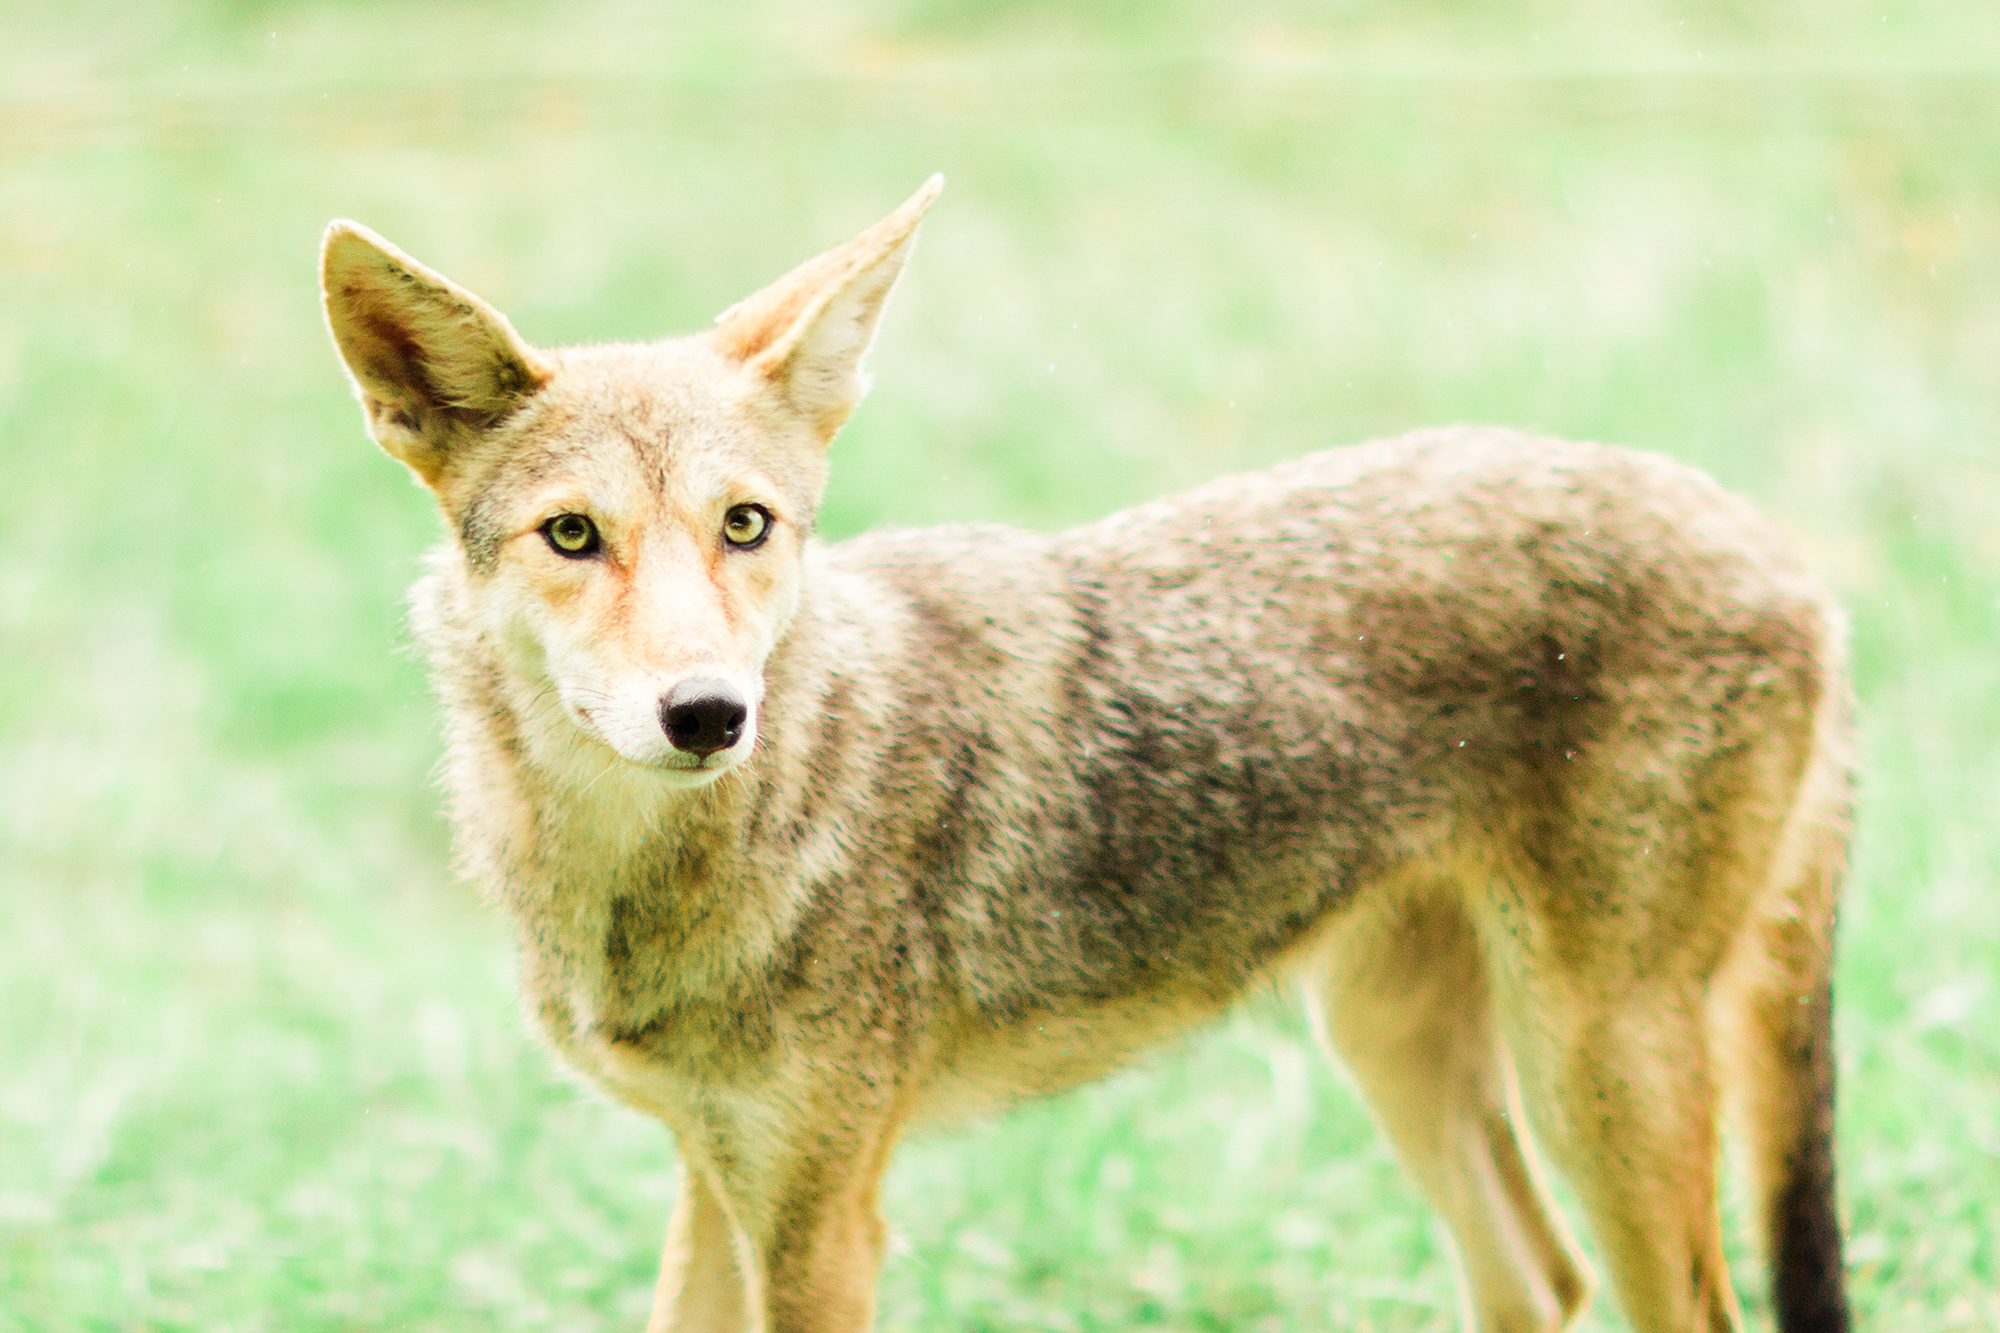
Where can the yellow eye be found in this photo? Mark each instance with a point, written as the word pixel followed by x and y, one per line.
pixel 571 535
pixel 746 526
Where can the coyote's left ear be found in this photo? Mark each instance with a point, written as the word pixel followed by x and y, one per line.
pixel 435 364
pixel 807 332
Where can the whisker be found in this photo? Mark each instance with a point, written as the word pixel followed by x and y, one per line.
pixel 608 764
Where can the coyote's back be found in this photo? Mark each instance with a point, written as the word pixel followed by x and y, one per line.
pixel 1528 759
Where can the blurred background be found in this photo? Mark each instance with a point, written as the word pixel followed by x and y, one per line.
pixel 260 1064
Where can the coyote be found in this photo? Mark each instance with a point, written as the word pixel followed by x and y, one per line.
pixel 1528 761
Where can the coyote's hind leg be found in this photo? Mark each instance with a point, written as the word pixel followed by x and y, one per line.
pixel 1775 1020
pixel 1616 1076
pixel 1403 999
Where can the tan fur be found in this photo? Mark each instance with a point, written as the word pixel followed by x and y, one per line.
pixel 1528 759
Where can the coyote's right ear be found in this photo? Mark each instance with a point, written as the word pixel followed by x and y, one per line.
pixel 433 363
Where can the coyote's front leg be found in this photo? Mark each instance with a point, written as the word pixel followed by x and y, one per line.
pixel 824 1239
pixel 824 1259
pixel 703 1287
pixel 792 1246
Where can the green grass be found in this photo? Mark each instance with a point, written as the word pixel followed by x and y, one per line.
pixel 260 1065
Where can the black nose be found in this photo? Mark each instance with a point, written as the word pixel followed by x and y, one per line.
pixel 703 716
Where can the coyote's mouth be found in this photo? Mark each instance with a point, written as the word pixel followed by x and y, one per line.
pixel 690 774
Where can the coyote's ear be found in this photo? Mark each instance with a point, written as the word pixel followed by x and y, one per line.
pixel 433 363
pixel 808 331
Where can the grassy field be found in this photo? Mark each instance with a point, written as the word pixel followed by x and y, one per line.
pixel 260 1064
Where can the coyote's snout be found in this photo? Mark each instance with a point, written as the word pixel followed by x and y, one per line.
pixel 1525 761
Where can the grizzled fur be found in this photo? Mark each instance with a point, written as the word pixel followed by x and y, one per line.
pixel 1528 759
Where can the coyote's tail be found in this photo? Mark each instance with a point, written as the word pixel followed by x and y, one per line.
pixel 1807 1277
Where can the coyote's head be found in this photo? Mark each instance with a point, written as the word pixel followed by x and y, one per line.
pixel 629 519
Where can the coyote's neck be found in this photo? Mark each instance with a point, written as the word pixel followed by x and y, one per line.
pixel 598 859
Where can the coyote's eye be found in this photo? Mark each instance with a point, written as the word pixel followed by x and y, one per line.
pixel 572 535
pixel 746 526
